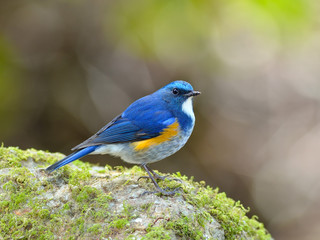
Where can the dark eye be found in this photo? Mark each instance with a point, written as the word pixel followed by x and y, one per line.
pixel 175 91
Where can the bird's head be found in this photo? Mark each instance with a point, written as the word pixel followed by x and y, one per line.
pixel 178 95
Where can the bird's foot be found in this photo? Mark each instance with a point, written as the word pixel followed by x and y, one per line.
pixel 163 191
pixel 153 176
pixel 157 176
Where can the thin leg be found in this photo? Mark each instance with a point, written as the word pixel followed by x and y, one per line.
pixel 159 189
pixel 157 176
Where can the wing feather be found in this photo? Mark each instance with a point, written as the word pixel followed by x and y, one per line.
pixel 142 120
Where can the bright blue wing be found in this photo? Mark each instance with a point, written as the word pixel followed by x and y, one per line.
pixel 141 120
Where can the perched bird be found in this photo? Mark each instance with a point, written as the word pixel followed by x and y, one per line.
pixel 150 129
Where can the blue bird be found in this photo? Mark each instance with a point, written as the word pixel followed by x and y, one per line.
pixel 149 130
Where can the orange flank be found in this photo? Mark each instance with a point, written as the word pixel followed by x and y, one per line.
pixel 167 133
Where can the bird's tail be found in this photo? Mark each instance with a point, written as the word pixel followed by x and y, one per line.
pixel 72 157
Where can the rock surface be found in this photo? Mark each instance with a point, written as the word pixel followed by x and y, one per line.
pixel 81 201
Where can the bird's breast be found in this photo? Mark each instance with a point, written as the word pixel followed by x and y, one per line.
pixel 170 140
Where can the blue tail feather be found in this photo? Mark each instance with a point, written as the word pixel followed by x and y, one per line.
pixel 72 157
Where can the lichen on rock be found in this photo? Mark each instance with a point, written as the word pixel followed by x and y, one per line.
pixel 82 201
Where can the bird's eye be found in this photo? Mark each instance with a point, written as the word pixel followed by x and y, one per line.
pixel 175 91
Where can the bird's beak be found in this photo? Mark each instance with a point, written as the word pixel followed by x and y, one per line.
pixel 192 93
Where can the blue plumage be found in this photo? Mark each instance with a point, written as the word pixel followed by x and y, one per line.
pixel 72 157
pixel 151 118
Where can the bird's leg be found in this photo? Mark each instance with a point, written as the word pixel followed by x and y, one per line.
pixel 159 189
pixel 157 176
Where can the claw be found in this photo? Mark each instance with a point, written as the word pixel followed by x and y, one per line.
pixel 162 178
pixel 143 177
pixel 157 176
pixel 163 191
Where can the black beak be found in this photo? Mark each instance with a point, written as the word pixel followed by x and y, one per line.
pixel 192 93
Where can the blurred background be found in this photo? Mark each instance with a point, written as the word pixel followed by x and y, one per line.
pixel 68 67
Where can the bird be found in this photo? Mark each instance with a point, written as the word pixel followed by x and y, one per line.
pixel 149 130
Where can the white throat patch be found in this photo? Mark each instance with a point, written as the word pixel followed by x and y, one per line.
pixel 187 108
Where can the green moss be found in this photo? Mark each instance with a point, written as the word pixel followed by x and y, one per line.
pixel 229 213
pixel 186 228
pixel 78 176
pixel 122 220
pixel 157 232
pixel 29 212
pixel 183 227
pixel 119 223
pixel 127 209
pixel 202 218
pixel 18 226
pixel 146 207
pixel 84 194
pixel 78 225
pixel 20 182
pixel 95 228
pixel 13 156
pixel 102 200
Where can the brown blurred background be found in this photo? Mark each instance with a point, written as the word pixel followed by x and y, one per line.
pixel 68 67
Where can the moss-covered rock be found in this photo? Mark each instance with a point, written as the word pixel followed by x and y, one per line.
pixel 81 201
